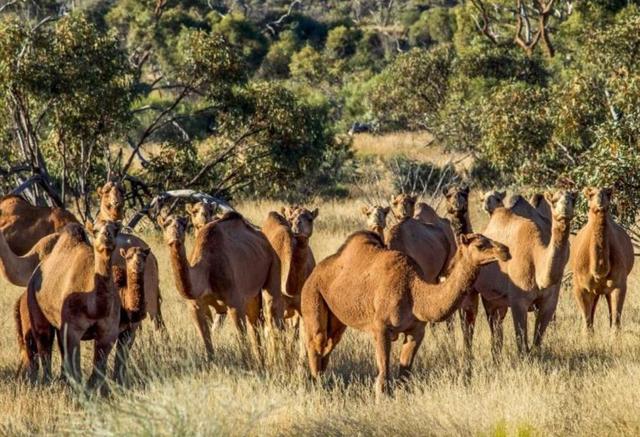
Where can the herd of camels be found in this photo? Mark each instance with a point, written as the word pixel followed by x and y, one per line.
pixel 98 282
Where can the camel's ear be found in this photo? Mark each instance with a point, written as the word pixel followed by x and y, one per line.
pixel 190 208
pixel 315 213
pixel 88 224
pixel 386 210
pixel 549 196
pixel 465 190
pixel 123 252
pixel 146 251
pixel 413 199
pixel 501 195
pixel 464 239
pixel 364 209
pixel 588 192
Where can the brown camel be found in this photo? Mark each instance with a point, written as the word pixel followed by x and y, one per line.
pixel 200 213
pixel 531 279
pixel 230 264
pixel 376 218
pixel 80 301
pixel 601 259
pixel 24 225
pixel 112 208
pixel 370 288
pixel 403 206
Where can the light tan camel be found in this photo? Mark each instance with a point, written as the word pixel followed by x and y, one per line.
pixel 200 213
pixel 112 208
pixel 376 218
pixel 380 291
pixel 79 301
pixel 230 264
pixel 403 206
pixel 601 259
pixel 24 225
pixel 532 278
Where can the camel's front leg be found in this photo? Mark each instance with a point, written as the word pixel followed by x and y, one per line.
pixel 519 309
pixel 412 342
pixel 125 341
pixel 587 303
pixel 546 310
pixel 617 302
pixel 70 350
pixel 468 314
pixel 495 317
pixel 101 350
pixel 383 350
pixel 201 315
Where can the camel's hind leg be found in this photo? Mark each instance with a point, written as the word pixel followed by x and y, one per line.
pixel 587 304
pixel 315 314
pixel 272 300
pixel 28 366
pixel 412 342
pixel 495 317
pixel 519 310
pixel 201 315
pixel 335 329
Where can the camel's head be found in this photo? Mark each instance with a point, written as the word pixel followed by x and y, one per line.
pixel 403 206
pixel 104 235
pixel 457 198
pixel 376 216
pixel 135 257
pixel 492 200
pixel 201 213
pixel 562 203
pixel 598 198
pixel 301 220
pixel 174 228
pixel 111 201
pixel 482 250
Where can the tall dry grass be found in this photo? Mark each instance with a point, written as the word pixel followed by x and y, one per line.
pixel 574 386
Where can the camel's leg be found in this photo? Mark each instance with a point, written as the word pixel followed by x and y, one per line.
pixel 125 341
pixel 253 316
pixel 608 297
pixel 586 302
pixel 468 314
pixel 519 309
pixel 383 350
pixel 201 314
pixel 44 347
pixel 546 310
pixel 335 329
pixel 412 341
pixel 101 350
pixel 71 354
pixel 158 320
pixel 237 315
pixel 617 302
pixel 495 317
pixel 273 303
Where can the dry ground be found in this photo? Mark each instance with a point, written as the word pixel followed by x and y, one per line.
pixel 575 386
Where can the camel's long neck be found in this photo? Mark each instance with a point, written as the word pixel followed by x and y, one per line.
pixel 436 302
pixel 182 271
pixel 13 268
pixel 299 262
pixel 460 222
pixel 104 291
pixel 554 255
pixel 599 245
pixel 133 301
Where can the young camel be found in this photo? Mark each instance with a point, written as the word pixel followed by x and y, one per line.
pixel 601 259
pixel 24 225
pixel 531 279
pixel 112 209
pixel 376 218
pixel 230 264
pixel 80 302
pixel 200 213
pixel 369 288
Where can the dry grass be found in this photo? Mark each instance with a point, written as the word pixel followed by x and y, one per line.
pixel 575 386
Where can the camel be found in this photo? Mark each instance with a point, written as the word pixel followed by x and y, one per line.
pixel 200 213
pixel 376 218
pixel 80 301
pixel 230 264
pixel 531 279
pixel 370 288
pixel 112 209
pixel 17 269
pixel 403 206
pixel 457 199
pixel 24 225
pixel 601 259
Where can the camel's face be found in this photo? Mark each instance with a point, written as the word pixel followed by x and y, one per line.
pixel 403 206
pixel 201 213
pixel 562 203
pixel 483 250
pixel 376 216
pixel 135 257
pixel 174 228
pixel 492 200
pixel 599 198
pixel 104 235
pixel 112 200
pixel 301 220
pixel 457 198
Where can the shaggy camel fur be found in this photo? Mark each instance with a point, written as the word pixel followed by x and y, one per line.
pixel 531 279
pixel 200 213
pixel 112 209
pixel 230 264
pixel 369 288
pixel 601 259
pixel 403 206
pixel 376 218
pixel 17 269
pixel 24 225
pixel 80 302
